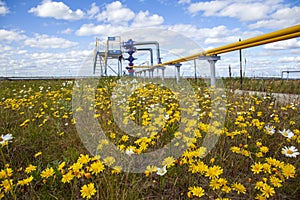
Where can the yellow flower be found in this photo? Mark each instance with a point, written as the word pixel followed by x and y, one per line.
pixel 5 173
pixel 109 161
pixel 267 168
pixel 239 188
pixel 96 167
pixel 76 167
pixel 288 171
pixel 259 154
pixel 201 151
pixel 259 144
pixel 264 149
pixel 112 135
pixel 149 170
pixel 169 161
pixel 196 191
pixel 66 178
pixel 125 138
pixel 274 162
pixel 83 159
pixel 30 168
pixel 116 170
pixel 214 184
pixel 38 154
pixel 48 172
pixel 259 185
pixel 267 191
pixel 260 197
pixel 226 189
pixel 61 166
pixel 87 191
pixel 235 149
pixel 256 168
pixel 200 167
pixel 25 181
pixel 214 172
pixel 276 182
pixel 7 185
pixel 25 122
pixel 245 153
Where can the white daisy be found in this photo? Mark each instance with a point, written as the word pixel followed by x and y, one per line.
pixel 287 133
pixel 5 138
pixel 270 130
pixel 161 171
pixel 290 151
pixel 129 151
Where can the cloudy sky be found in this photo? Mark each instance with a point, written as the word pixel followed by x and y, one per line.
pixel 56 37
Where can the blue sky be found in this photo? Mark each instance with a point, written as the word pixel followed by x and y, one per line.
pixel 56 37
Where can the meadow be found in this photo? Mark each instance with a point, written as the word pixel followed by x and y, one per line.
pixel 44 157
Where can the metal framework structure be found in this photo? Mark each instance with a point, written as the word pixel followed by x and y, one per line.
pixel 209 55
pixel 103 52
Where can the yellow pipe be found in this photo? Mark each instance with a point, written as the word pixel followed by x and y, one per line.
pixel 276 39
pixel 142 67
pixel 255 41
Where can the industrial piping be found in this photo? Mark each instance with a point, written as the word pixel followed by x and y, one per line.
pixel 149 43
pixel 275 36
pixel 151 53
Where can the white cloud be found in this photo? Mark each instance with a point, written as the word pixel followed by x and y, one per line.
pixel 184 1
pixel 178 51
pixel 10 36
pixel 46 42
pixel 143 19
pixel 93 11
pixel 100 30
pixel 57 10
pixel 187 29
pixel 203 33
pixel 289 59
pixel 45 63
pixel 281 18
pixel 281 45
pixel 210 8
pixel 115 13
pixel 220 40
pixel 67 31
pixel 4 48
pixel 245 12
pixel 3 8
pixel 287 13
pixel 120 20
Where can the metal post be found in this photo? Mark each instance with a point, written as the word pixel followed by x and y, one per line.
pixel 163 73
pixel 195 66
pixel 212 62
pixel 178 65
pixel 212 72
pixel 241 69
pixel 151 71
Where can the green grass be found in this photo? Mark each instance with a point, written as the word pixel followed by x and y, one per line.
pixel 50 129
pixel 266 85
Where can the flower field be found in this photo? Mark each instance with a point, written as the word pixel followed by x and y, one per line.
pixel 43 156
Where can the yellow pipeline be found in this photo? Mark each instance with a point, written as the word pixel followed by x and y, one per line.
pixel 284 37
pixel 275 36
